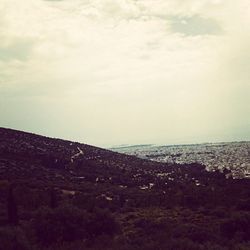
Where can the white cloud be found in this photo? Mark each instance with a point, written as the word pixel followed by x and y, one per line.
pixel 121 72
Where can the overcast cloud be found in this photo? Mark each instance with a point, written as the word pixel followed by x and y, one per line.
pixel 110 72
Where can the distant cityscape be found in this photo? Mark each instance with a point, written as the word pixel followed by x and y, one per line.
pixel 234 156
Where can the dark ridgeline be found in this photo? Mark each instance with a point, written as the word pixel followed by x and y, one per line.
pixel 75 196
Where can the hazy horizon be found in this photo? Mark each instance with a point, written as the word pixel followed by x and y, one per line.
pixel 111 72
pixel 114 146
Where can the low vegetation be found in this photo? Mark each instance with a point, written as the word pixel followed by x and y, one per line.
pixel 62 195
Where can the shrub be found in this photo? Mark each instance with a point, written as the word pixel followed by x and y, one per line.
pixel 102 222
pixel 193 232
pixel 65 223
pixel 69 223
pixel 13 238
pixel 239 224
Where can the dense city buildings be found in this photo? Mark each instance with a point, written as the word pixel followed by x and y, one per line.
pixel 234 156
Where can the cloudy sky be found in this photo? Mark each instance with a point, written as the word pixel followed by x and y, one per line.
pixel 109 72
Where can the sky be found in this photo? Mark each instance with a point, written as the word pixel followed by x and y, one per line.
pixel 112 72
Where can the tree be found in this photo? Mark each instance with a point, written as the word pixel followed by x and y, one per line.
pixel 53 198
pixel 12 207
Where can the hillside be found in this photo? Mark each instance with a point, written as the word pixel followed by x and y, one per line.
pixel 67 195
pixel 46 161
pixel 28 155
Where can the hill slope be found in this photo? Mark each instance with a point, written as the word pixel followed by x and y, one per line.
pixel 26 156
